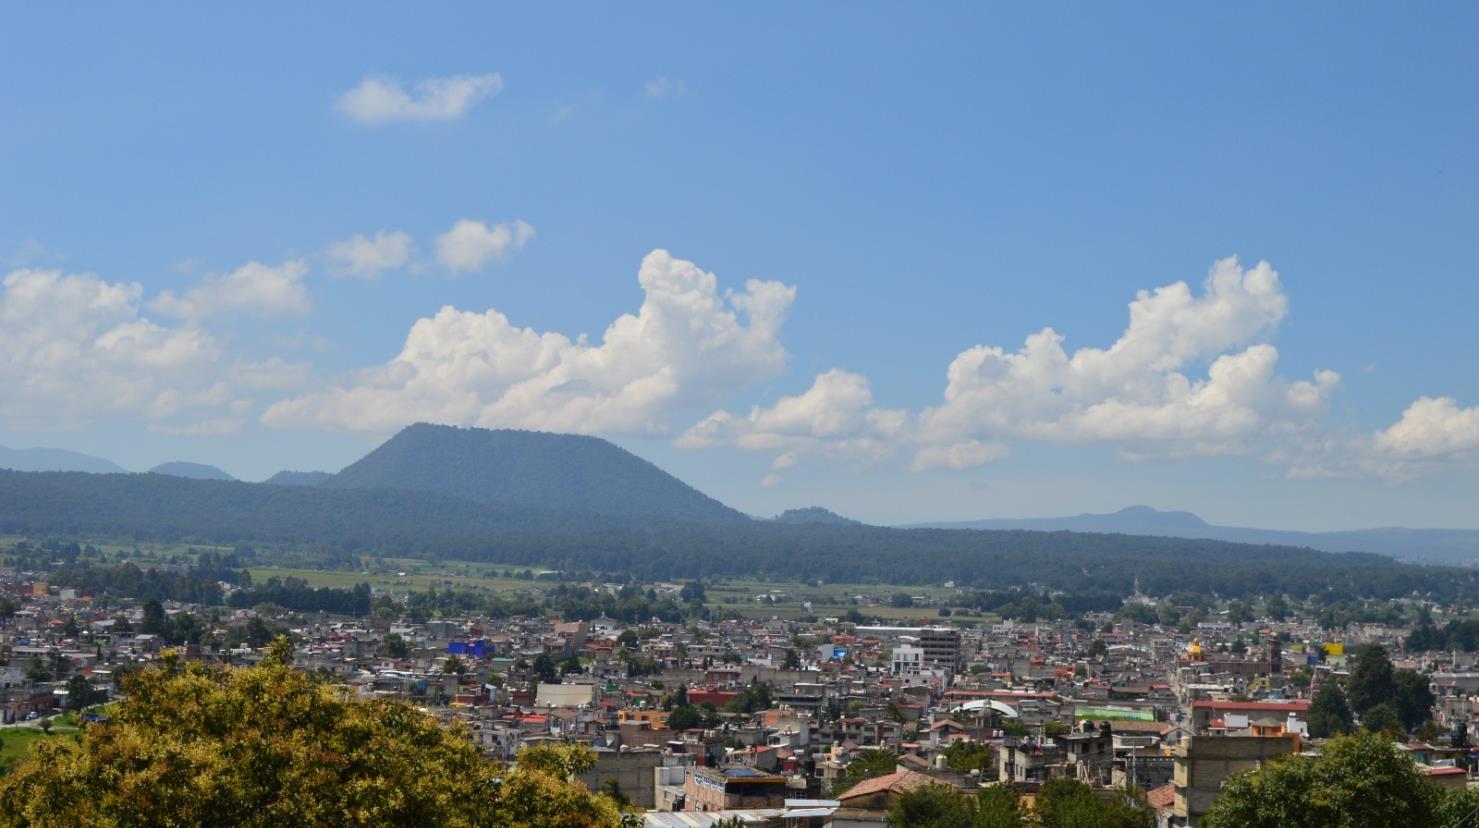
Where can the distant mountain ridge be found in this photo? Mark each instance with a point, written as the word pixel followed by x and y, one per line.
pixel 1453 546
pixel 815 515
pixel 54 459
pixel 556 472
pixel 194 471
pixel 299 478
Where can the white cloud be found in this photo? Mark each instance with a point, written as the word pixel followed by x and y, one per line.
pixel 688 345
pixel 383 100
pixel 471 245
pixel 664 87
pixel 968 454
pixel 1432 429
pixel 74 348
pixel 367 258
pixel 1138 393
pixel 254 289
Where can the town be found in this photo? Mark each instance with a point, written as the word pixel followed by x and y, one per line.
pixel 700 711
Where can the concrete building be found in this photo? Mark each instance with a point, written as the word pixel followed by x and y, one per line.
pixel 1203 763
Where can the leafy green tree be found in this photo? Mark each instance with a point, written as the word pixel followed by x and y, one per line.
pixel 1383 718
pixel 685 717
pixel 264 746
pixel 1329 715
pixel 544 668
pixel 1371 682
pixel 395 646
pixel 1414 699
pixel 453 665
pixel 868 764
pixel 1068 803
pixel 930 806
pixel 154 618
pixel 999 806
pixel 1357 781
pixel 81 694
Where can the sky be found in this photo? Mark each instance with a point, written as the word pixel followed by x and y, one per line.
pixel 964 261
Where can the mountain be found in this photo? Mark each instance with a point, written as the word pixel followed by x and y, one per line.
pixel 815 515
pixel 556 472
pixel 194 471
pixel 52 459
pixel 1451 546
pixel 299 478
pixel 1093 570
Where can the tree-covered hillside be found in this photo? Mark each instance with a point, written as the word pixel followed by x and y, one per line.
pixel 558 472
pixel 158 507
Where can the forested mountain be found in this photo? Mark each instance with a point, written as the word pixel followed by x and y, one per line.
pixel 1451 546
pixel 815 514
pixel 557 472
pixel 194 471
pixel 52 459
pixel 160 507
pixel 299 478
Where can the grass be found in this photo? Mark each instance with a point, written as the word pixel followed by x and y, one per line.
pixel 15 742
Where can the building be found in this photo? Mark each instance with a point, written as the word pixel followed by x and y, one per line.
pixel 733 787
pixel 1203 763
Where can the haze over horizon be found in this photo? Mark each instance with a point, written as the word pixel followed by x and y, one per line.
pixel 974 263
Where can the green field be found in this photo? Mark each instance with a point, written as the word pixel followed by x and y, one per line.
pixel 16 741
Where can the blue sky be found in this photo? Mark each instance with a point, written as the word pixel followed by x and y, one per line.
pixel 904 185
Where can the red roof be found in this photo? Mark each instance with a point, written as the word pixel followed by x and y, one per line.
pixel 1296 706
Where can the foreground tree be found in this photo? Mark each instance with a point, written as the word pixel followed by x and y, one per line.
pixel 930 806
pixel 1360 780
pixel 1066 803
pixel 269 746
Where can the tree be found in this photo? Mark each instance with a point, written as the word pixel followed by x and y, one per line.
pixel 628 639
pixel 791 660
pixel 1383 718
pixel 1329 715
pixel 1371 682
pixel 395 646
pixel 544 668
pixel 1068 803
pixel 930 806
pixel 999 806
pixel 453 665
pixel 685 717
pixel 1358 780
pixel 81 694
pixel 868 764
pixel 267 745
pixel 153 623
pixel 1414 699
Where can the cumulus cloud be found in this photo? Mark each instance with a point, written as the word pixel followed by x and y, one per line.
pixel 367 258
pixel 1139 393
pixel 254 289
pixel 1432 429
pixel 688 345
pixel 383 100
pixel 470 245
pixel 75 348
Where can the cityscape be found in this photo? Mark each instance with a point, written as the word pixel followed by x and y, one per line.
pixel 681 416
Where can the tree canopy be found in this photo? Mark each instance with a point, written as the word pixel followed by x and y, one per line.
pixel 261 746
pixel 1357 781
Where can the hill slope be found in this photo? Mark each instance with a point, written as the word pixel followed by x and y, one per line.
pixel 299 478
pixel 194 471
pixel 814 515
pixel 556 472
pixel 384 521
pixel 1452 546
pixel 52 459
